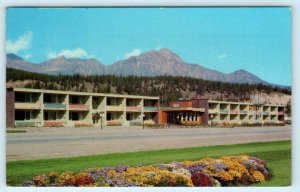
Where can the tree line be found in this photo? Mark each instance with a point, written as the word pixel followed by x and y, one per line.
pixel 167 87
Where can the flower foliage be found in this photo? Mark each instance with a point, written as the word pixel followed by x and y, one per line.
pixel 225 171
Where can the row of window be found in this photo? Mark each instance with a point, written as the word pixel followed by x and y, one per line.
pixel 51 98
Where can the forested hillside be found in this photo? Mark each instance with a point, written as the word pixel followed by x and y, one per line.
pixel 168 87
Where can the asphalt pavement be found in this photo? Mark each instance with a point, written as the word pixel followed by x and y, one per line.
pixel 41 143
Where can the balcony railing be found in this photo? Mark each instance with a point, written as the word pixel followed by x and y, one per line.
pixel 55 106
pixel 150 108
pixel 235 111
pixel 252 112
pixel 243 111
pixel 266 113
pixel 224 110
pixel 79 106
pixel 115 108
pixel 280 112
pixel 133 108
pixel 212 111
pixel 27 106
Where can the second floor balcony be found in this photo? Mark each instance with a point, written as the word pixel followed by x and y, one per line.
pixel 55 106
pixel 133 108
pixel 243 112
pixel 81 107
pixel 224 111
pixel 150 108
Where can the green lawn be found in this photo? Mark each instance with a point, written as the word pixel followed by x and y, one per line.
pixel 278 155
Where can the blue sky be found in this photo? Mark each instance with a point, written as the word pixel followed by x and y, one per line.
pixel 226 39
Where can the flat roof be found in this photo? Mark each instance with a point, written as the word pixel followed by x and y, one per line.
pixel 85 93
pixel 242 103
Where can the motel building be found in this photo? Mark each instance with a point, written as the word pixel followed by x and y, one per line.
pixel 51 108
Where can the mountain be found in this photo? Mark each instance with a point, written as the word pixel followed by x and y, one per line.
pixel 72 66
pixel 59 65
pixel 243 76
pixel 162 62
pixel 151 63
pixel 17 62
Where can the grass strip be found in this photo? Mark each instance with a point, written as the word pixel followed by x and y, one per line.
pixel 278 155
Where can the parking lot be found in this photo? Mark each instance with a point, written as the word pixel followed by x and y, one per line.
pixel 41 143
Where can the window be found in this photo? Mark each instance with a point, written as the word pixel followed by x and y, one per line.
pixel 74 116
pixel 108 117
pixel 108 101
pixel 22 115
pixel 74 99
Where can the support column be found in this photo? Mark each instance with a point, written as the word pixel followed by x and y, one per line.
pixel 40 116
pixel 10 108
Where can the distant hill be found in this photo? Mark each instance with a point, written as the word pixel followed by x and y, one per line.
pixel 151 63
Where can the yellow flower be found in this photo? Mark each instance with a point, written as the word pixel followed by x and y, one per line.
pixel 235 174
pixel 258 176
pixel 187 163
pixel 224 175
pixel 236 166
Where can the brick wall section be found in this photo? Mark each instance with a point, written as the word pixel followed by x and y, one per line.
pixel 10 108
pixel 183 104
pixel 202 103
pixel 162 117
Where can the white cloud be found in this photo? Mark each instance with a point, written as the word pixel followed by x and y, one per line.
pixel 75 53
pixel 223 56
pixel 158 47
pixel 27 56
pixel 134 52
pixel 22 43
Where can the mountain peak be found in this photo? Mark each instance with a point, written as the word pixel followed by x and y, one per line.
pixel 165 50
pixel 60 58
pixel 14 57
pixel 240 71
pixel 168 54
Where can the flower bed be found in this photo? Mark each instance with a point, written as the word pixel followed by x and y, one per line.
pixel 114 123
pixel 190 123
pixel 226 171
pixel 53 124
pixel 83 124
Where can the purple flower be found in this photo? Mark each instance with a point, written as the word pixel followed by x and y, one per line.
pixel 196 168
pixel 220 166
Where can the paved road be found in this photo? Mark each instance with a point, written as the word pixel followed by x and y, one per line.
pixel 40 143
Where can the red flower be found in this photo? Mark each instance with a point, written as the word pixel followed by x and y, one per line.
pixel 201 179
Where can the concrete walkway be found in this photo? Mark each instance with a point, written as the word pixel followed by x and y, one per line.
pixel 41 143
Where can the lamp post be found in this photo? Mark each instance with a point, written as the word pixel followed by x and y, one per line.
pixel 211 119
pixel 143 116
pixel 101 115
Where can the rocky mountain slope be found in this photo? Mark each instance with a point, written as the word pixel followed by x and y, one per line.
pixel 151 63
